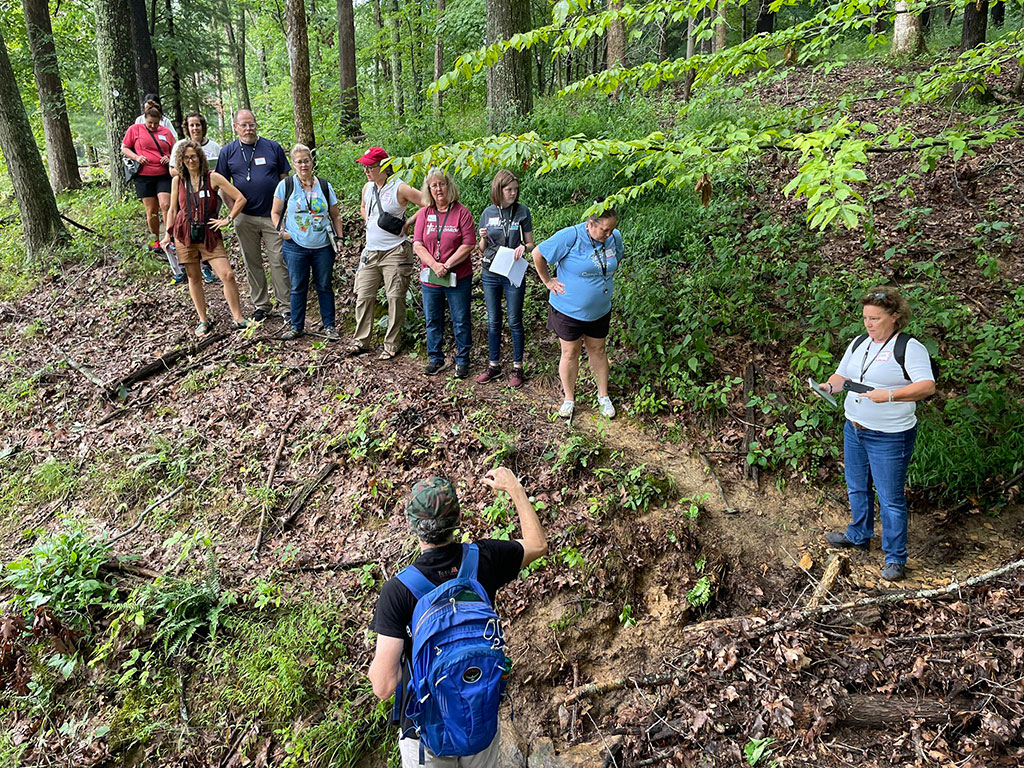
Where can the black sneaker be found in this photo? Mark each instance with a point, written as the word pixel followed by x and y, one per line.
pixel 461 371
pixel 433 368
pixel 291 333
pixel 838 539
pixel 893 572
pixel 260 315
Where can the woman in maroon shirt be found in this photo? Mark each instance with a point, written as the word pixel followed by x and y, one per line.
pixel 443 240
pixel 149 144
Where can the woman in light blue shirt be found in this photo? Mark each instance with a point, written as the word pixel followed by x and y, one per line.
pixel 580 299
pixel 305 208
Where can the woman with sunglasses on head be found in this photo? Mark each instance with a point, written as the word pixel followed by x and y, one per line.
pixel 504 223
pixel 580 300
pixel 149 144
pixel 443 240
pixel 192 222
pixel 305 210
pixel 885 372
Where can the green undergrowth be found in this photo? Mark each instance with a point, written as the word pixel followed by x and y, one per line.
pixel 155 649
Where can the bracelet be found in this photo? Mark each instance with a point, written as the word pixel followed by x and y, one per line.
pixel 890 395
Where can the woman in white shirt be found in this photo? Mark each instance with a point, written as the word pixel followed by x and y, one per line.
pixel 885 372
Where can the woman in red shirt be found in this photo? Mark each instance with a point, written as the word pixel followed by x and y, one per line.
pixel 443 240
pixel 149 144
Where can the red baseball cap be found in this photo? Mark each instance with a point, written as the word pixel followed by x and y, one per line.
pixel 373 156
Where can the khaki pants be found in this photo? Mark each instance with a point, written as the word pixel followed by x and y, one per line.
pixel 410 751
pixel 394 269
pixel 255 232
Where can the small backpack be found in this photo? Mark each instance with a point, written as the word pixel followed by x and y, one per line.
pixel 899 352
pixel 457 673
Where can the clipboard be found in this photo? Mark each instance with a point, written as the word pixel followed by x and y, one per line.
pixel 430 277
pixel 817 389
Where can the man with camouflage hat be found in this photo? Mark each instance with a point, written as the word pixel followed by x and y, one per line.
pixel 433 513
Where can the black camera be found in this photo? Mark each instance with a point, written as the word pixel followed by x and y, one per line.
pixel 197 232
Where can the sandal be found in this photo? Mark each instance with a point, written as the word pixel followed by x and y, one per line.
pixel 204 328
pixel 385 355
pixel 355 350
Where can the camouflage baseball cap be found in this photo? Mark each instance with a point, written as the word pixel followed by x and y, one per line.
pixel 433 500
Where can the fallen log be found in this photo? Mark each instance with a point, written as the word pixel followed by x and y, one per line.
pixel 299 500
pixel 339 565
pixel 162 363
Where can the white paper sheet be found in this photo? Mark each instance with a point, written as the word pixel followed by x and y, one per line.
pixel 506 264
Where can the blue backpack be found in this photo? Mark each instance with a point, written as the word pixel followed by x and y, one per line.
pixel 457 670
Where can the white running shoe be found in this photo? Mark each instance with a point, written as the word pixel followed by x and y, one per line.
pixel 607 409
pixel 566 410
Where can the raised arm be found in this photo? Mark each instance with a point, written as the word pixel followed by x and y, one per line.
pixel 534 540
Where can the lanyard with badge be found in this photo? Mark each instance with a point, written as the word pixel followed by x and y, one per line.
pixel 602 259
pixel 865 364
pixel 249 162
pixel 506 226
pixel 440 230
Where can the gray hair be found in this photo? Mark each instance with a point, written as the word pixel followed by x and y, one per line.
pixel 453 190
pixel 300 147
pixel 234 117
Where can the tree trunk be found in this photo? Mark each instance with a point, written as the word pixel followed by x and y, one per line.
pixel 60 147
pixel 510 80
pixel 743 23
pixel 998 13
pixel 663 40
pixel 413 40
pixel 298 65
pixel 383 67
pixel 907 32
pixel 349 116
pixel 236 52
pixel 396 60
pixel 221 106
pixel 691 49
pixel 172 66
pixel 720 27
pixel 147 76
pixel 40 220
pixel 765 19
pixel 616 38
pixel 115 54
pixel 975 25
pixel 438 56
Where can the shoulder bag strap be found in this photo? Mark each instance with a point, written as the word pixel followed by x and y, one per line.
pixel 415 581
pixel 900 352
pixel 858 341
pixel 470 561
pixel 153 137
pixel 289 185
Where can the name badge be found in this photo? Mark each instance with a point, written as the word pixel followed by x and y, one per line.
pixel 204 193
pixel 494 221
pixel 162 138
pixel 431 217
pixel 884 356
pixel 260 161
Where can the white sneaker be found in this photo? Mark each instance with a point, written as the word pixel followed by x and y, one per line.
pixel 607 409
pixel 566 410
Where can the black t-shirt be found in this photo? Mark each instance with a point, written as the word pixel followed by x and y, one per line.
pixel 500 563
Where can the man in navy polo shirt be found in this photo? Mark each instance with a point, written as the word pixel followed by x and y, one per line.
pixel 255 165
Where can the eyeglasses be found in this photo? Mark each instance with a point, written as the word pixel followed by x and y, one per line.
pixel 307 161
pixel 191 158
pixel 246 125
pixel 438 187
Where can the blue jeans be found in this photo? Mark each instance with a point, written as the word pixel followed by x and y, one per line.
pixel 496 286
pixel 877 462
pixel 434 299
pixel 300 261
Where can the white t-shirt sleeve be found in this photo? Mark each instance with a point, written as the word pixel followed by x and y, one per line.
pixel 847 355
pixel 174 153
pixel 918 362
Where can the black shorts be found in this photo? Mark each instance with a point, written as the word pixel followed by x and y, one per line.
pixel 570 329
pixel 151 186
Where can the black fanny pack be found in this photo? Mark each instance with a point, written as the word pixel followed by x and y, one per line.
pixel 387 221
pixel 196 232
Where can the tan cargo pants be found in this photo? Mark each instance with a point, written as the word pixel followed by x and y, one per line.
pixel 255 233
pixel 394 269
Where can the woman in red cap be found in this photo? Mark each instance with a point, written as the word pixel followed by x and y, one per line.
pixel 388 256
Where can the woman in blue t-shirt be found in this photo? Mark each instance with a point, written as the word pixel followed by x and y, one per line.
pixel 504 223
pixel 306 239
pixel 580 299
